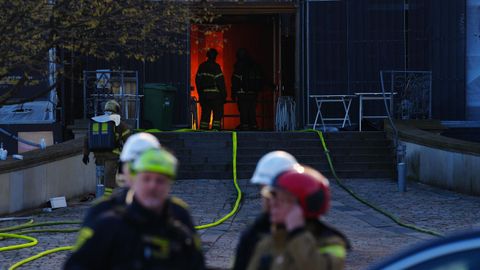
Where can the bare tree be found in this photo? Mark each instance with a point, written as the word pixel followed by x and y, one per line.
pixel 138 29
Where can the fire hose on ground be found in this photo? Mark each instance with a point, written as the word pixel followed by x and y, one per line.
pixel 34 241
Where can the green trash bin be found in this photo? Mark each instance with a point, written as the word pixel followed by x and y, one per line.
pixel 158 104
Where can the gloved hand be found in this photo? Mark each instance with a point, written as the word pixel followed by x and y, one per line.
pixel 85 159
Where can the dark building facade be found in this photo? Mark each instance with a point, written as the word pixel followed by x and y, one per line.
pixel 350 42
pixel 333 47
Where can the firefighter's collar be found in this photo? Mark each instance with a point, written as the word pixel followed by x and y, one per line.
pixel 107 118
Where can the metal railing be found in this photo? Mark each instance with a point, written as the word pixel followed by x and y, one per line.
pixel 413 101
pixel 99 86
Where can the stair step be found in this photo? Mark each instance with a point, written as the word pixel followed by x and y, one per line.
pixel 300 158
pixel 348 151
pixel 209 155
pixel 274 143
pixel 358 144
pixel 373 135
pixel 275 135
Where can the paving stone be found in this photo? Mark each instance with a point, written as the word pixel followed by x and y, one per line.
pixel 372 235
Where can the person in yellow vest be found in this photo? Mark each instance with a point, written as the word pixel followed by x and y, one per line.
pixel 106 156
pixel 298 239
pixel 211 91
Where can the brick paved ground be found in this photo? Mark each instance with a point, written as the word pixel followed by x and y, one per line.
pixel 372 235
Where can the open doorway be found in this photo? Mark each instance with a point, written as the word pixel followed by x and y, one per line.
pixel 260 35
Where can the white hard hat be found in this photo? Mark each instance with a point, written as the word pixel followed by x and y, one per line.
pixel 271 165
pixel 137 144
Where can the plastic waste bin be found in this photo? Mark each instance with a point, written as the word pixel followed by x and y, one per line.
pixel 159 99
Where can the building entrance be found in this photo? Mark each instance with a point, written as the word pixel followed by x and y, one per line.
pixel 263 39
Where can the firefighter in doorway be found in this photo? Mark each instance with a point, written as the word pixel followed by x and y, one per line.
pixel 106 136
pixel 211 91
pixel 246 83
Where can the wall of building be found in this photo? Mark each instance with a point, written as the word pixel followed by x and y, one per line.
pixel 473 60
pixel 350 42
pixel 437 42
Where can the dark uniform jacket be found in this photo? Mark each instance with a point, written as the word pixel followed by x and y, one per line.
pixel 104 205
pixel 316 246
pixel 246 79
pixel 249 239
pixel 133 237
pixel 210 81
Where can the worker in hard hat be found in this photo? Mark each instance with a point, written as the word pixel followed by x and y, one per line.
pixel 133 148
pixel 268 167
pixel 298 238
pixel 106 136
pixel 150 232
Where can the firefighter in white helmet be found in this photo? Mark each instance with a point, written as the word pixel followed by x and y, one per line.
pixel 133 148
pixel 268 167
pixel 153 230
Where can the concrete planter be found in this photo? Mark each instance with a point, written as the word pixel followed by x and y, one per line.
pixel 56 171
pixel 438 160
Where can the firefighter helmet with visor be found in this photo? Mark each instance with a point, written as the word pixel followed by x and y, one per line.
pixel 310 188
pixel 271 165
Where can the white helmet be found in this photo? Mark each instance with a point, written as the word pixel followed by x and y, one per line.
pixel 137 144
pixel 271 165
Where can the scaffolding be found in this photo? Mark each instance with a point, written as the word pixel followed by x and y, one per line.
pixel 99 86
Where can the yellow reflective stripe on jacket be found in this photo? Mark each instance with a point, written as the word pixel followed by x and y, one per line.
pixel 338 251
pixel 104 128
pixel 211 90
pixel 95 128
pixel 206 74
pixel 210 75
pixel 125 133
pixel 84 234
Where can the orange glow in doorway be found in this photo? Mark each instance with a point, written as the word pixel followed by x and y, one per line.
pixel 257 38
pixel 200 42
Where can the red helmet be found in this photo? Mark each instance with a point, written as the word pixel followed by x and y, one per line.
pixel 310 188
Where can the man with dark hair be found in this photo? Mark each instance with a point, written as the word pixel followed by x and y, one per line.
pixel 211 91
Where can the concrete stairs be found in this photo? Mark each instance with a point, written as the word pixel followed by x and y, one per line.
pixel 209 155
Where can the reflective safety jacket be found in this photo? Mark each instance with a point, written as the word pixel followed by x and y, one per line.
pixel 133 237
pixel 210 81
pixel 317 246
